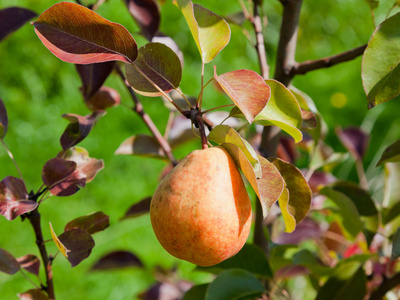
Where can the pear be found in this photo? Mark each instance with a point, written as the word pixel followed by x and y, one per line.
pixel 201 212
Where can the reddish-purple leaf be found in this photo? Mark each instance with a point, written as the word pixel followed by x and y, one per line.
pixel 291 271
pixel 78 35
pixel 320 179
pixel 33 294
pixel 62 177
pixel 143 145
pixel 170 43
pixel 166 291
pixel 93 76
pixel 147 15
pixel 138 209
pixel 79 128
pixel 30 263
pixel 104 98
pixel 117 260
pixel 287 149
pixel 92 223
pixel 247 90
pixel 12 18
pixel 305 230
pixel 3 120
pixel 78 244
pixel 85 164
pixel 14 198
pixel 355 140
pixel 8 263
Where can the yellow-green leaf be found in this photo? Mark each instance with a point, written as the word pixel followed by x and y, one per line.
pixel 290 221
pixel 58 243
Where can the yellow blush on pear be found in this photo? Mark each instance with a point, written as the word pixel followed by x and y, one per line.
pixel 201 212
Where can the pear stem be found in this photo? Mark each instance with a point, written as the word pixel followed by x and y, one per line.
pixel 199 121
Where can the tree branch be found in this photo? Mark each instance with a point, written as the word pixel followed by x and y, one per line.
pixel 385 287
pixel 138 108
pixel 260 46
pixel 310 65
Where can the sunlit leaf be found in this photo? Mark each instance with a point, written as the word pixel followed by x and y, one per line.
pixel 396 245
pixel 78 35
pixel 30 263
pixel 64 251
pixel 146 14
pixel 380 66
pixel 210 32
pixel 355 140
pixel 14 198
pixel 160 64
pixel 33 294
pixel 391 154
pixel 234 284
pixel 247 89
pixel 268 186
pixel 62 177
pixel 298 188
pixel 92 223
pixel 85 164
pixel 138 209
pixel 117 260
pixel 226 134
pixel 12 18
pixel 3 120
pixel 290 221
pixel 142 145
pixel 93 77
pixel 250 258
pixel 79 128
pixel 282 110
pixel 8 263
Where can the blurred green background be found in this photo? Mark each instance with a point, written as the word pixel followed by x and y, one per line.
pixel 37 88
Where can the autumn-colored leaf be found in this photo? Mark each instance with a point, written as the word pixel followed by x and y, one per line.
pixel 104 98
pixel 8 263
pixel 93 76
pixel 62 177
pixel 33 294
pixel 210 32
pixel 14 198
pixel 246 89
pixel 159 64
pixel 30 262
pixel 92 223
pixel 143 145
pixel 85 164
pixel 79 128
pixel 138 209
pixel 146 13
pixel 117 260
pixel 78 35
pixel 3 120
pixel 12 18
pixel 287 212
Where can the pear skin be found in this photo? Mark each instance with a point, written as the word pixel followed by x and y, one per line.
pixel 201 212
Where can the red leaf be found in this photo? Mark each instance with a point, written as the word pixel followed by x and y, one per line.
pixel 14 198
pixel 30 263
pixel 33 294
pixel 117 260
pixel 62 177
pixel 104 98
pixel 147 15
pixel 12 18
pixel 79 128
pixel 78 244
pixel 138 209
pixel 3 119
pixel 8 263
pixel 93 76
pixel 78 35
pixel 92 223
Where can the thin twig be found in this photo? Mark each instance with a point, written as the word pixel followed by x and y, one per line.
pixel 310 65
pixel 138 108
pixel 260 46
pixel 386 286
pixel 28 279
pixel 218 107
pixel 13 159
pixel 199 121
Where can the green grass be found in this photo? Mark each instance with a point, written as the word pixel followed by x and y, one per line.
pixel 37 89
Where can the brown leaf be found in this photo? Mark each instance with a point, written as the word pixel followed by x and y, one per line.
pixel 138 209
pixel 8 263
pixel 33 294
pixel 117 260
pixel 104 98
pixel 12 18
pixel 30 262
pixel 143 145
pixel 78 35
pixel 3 119
pixel 78 244
pixel 14 198
pixel 92 223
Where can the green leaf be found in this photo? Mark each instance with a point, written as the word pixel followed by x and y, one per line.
pixel 380 66
pixel 142 145
pixel 348 281
pixel 197 292
pixel 251 258
pixel 290 221
pixel 347 210
pixel 160 64
pixel 396 245
pixel 268 186
pixel 226 134
pixel 234 284
pixel 299 191
pixel 210 32
pixel 391 154
pixel 307 259
pixel 372 3
pixel 392 187
pixel 247 90
pixel 389 214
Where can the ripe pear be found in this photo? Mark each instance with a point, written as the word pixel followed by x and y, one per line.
pixel 201 212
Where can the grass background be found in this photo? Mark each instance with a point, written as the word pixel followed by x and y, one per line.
pixel 37 88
